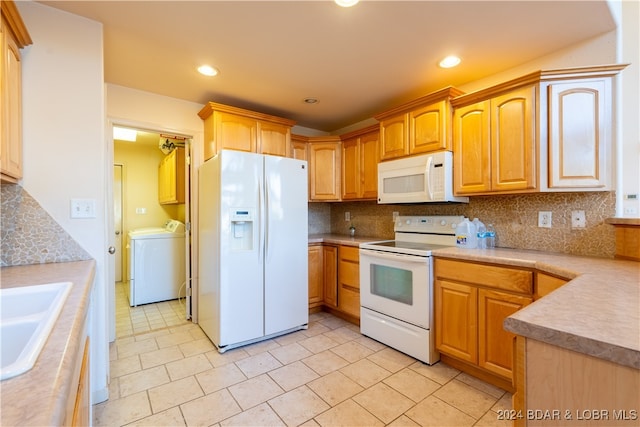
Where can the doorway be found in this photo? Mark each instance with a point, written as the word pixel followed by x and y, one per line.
pixel 137 205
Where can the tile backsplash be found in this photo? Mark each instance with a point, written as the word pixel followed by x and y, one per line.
pixel 30 235
pixel 515 218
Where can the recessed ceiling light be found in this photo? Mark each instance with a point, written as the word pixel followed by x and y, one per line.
pixel 449 61
pixel 311 100
pixel 207 70
pixel 346 3
pixel 124 134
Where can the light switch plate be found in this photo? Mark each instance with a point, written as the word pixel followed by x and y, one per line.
pixel 83 208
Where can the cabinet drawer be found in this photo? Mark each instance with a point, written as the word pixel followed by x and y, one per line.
pixel 349 299
pixel 349 253
pixel 509 279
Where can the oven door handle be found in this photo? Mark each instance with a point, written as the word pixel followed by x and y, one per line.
pixel 394 256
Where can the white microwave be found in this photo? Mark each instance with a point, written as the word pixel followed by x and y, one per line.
pixel 418 179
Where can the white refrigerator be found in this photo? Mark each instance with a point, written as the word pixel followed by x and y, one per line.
pixel 253 238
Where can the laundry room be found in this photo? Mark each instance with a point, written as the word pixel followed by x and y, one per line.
pixel 150 212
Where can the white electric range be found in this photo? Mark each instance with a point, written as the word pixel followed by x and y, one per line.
pixel 396 284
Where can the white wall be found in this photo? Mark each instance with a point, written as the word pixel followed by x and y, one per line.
pixel 64 143
pixel 630 103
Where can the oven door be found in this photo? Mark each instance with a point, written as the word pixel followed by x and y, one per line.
pixel 397 285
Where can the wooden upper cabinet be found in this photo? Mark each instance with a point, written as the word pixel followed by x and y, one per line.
pixel 472 148
pixel 235 132
pixel 494 144
pixel 171 178
pixel 420 126
pixel 227 127
pixel 394 137
pixel 513 145
pixel 580 134
pixel 549 130
pixel 299 147
pixel 13 37
pixel 274 139
pixel 324 168
pixel 360 164
pixel 429 128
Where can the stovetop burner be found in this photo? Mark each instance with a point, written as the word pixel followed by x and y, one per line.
pixel 419 235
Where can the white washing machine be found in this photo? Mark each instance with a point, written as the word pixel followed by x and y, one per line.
pixel 156 263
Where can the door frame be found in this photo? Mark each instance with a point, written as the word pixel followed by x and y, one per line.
pixel 120 249
pixel 192 160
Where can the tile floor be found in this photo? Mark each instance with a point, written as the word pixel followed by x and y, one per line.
pixel 145 318
pixel 327 375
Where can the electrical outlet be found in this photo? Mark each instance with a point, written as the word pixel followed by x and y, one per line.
pixel 578 219
pixel 347 216
pixel 544 219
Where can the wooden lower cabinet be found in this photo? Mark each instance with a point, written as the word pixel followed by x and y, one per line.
pixel 330 275
pixel 553 379
pixel 495 344
pixel 458 338
pixel 78 408
pixel 316 278
pixel 471 302
pixel 349 280
pixel 334 280
pixel 81 412
pixel 545 284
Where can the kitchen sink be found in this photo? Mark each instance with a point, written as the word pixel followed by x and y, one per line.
pixel 27 316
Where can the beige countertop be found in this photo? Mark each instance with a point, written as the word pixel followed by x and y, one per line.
pixel 39 396
pixel 342 239
pixel 596 313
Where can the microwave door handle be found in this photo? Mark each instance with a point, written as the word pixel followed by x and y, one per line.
pixel 395 257
pixel 429 176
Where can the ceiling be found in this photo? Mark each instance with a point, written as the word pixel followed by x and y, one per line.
pixel 356 61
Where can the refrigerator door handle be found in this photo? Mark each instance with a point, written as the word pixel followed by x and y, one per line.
pixel 266 219
pixel 260 210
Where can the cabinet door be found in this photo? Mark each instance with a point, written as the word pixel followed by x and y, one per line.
pixel 428 129
pixel 324 171
pixel 82 405
pixel 298 149
pixel 330 270
pixel 171 178
pixel 369 155
pixel 275 139
pixel 495 344
pixel 513 158
pixel 351 169
pixel 349 280
pixel 316 282
pixel 235 132
pixel 545 284
pixel 394 137
pixel 11 93
pixel 579 138
pixel 472 149
pixel 456 320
